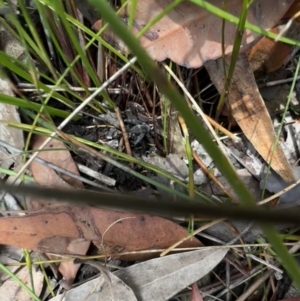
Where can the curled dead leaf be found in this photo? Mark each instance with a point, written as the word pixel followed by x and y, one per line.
pixel 190 35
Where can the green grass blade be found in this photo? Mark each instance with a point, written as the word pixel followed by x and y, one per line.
pixel 19 282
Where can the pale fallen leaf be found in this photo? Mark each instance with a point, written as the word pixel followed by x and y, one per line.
pixel 8 257
pixel 11 290
pixel 248 180
pixel 100 288
pixel 175 137
pixel 249 111
pixel 190 35
pixel 172 164
pixel 161 278
pixel 9 134
pixel 273 183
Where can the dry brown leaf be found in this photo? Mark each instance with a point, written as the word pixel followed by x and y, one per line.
pixel 249 111
pixel 293 10
pixel 52 229
pixel 190 35
pixel 45 176
pixel 267 55
pixel 59 155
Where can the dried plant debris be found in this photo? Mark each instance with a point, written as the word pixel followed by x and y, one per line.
pixel 138 125
pixel 230 233
pixel 13 136
pixel 274 184
pixel 172 164
pixel 201 153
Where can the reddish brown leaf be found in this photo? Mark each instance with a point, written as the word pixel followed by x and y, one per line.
pixel 195 295
pixel 190 35
pixel 52 230
pixel 59 155
pixel 267 55
pixel 293 10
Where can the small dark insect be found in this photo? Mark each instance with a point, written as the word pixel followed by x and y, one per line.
pixel 149 34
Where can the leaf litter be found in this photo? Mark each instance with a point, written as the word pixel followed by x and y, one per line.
pixel 156 279
pixel 57 228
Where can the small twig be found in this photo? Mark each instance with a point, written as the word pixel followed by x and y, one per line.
pixel 221 128
pixel 104 273
pixel 265 263
pixel 197 108
pixel 277 82
pixel 255 285
pixel 206 226
pixel 105 179
pixel 274 196
pixel 155 251
pixel 240 281
pixel 228 294
pixel 124 132
pixel 25 87
pixel 97 175
pixel 238 268
pixel 212 177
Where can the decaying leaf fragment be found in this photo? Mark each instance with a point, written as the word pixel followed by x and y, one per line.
pixel 190 35
pixel 249 111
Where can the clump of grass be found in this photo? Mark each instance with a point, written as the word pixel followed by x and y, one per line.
pixel 63 49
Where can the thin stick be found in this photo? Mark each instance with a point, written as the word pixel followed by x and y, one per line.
pixel 255 285
pixel 124 132
pixel 197 108
pixel 221 128
pixel 212 177
pixel 192 234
